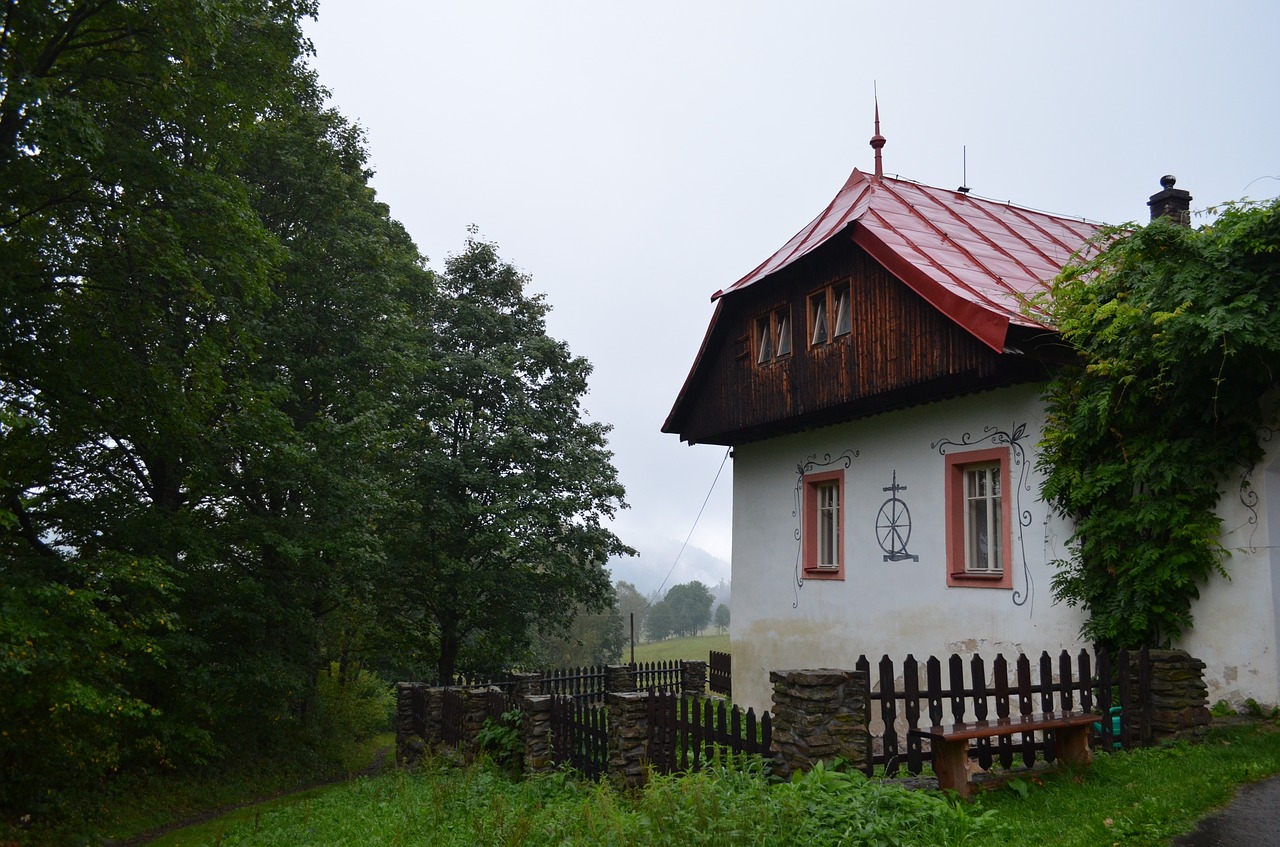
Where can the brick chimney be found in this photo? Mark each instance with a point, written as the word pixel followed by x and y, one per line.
pixel 1172 203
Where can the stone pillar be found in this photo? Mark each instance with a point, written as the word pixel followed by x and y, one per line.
pixel 527 684
pixel 619 678
pixel 693 678
pixel 1179 696
pixel 410 722
pixel 819 714
pixel 628 737
pixel 475 711
pixel 537 734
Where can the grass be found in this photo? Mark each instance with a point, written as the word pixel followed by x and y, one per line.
pixel 136 805
pixel 1142 798
pixel 695 647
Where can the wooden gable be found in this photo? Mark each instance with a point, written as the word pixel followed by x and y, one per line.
pixel 899 351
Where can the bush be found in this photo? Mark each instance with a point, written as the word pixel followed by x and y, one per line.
pixel 356 707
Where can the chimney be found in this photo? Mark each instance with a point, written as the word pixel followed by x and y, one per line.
pixel 1172 203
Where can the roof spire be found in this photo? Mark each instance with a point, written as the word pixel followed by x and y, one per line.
pixel 877 140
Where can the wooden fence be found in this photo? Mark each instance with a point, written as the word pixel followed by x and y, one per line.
pixel 665 675
pixel 685 733
pixel 580 735
pixel 1062 685
pixel 720 673
pixel 586 683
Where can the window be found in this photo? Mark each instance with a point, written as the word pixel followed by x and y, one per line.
pixel 842 309
pixel 822 543
pixel 830 314
pixel 773 336
pixel 978 528
pixel 818 318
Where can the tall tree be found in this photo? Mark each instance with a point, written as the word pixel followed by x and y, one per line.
pixel 507 486
pixel 131 265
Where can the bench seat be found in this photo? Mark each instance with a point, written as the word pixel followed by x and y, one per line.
pixel 951 742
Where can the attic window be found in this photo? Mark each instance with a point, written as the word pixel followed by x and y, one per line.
pixel 772 336
pixel 764 340
pixel 818 318
pixel 843 320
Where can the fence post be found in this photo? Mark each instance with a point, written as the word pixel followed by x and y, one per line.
pixel 526 684
pixel 628 737
pixel 619 678
pixel 819 714
pixel 1176 695
pixel 410 722
pixel 536 728
pixel 693 678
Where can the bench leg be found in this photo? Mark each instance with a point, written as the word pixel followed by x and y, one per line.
pixel 1072 745
pixel 951 764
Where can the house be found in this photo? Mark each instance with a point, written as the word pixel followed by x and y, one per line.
pixel 878 380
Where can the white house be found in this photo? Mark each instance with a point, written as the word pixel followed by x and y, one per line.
pixel 879 382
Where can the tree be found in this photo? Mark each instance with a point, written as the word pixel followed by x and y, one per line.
pixel 132 269
pixel 690 607
pixel 594 638
pixel 1177 333
pixel 505 486
pixel 659 622
pixel 722 618
pixel 632 606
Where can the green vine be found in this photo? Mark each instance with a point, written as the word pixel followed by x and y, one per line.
pixel 1177 336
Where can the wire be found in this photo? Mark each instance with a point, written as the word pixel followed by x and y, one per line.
pixel 695 525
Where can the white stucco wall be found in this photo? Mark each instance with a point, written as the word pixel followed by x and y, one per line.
pixel 905 607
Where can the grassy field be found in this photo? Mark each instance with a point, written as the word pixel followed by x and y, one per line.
pixel 696 647
pixel 1138 799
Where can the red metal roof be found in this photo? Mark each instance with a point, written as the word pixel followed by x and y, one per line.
pixel 973 259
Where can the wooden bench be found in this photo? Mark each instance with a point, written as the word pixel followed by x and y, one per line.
pixel 951 743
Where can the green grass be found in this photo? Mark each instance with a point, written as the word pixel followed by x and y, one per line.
pixel 1138 799
pixel 696 647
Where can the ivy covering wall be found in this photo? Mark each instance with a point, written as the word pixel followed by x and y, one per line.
pixel 1177 332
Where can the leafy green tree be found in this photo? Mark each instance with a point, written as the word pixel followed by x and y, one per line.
pixel 131 267
pixel 506 487
pixel 722 618
pixel 1178 339
pixel 660 621
pixel 690 607
pixel 632 605
pixel 594 638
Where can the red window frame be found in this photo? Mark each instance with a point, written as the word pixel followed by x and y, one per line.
pixel 956 465
pixel 809 538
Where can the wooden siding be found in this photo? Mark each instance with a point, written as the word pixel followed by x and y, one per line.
pixel 901 352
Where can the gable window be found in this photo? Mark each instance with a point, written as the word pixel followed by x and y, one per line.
pixel 842 310
pixel 978 526
pixel 822 542
pixel 773 335
pixel 818 318
pixel 830 314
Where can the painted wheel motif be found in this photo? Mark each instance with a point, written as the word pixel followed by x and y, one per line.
pixel 893 527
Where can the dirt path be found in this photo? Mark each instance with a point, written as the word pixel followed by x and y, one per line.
pixel 379 763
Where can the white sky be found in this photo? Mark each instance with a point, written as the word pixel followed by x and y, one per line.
pixel 634 158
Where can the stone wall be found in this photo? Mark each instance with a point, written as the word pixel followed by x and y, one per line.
pixel 819 714
pixel 1179 702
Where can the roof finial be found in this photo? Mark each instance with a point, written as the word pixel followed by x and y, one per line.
pixel 877 140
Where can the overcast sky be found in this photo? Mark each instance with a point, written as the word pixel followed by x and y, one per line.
pixel 635 158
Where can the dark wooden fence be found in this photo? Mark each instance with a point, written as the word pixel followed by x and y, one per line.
pixel 685 733
pixel 452 712
pixel 580 735
pixel 1069 683
pixel 663 676
pixel 720 673
pixel 586 683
